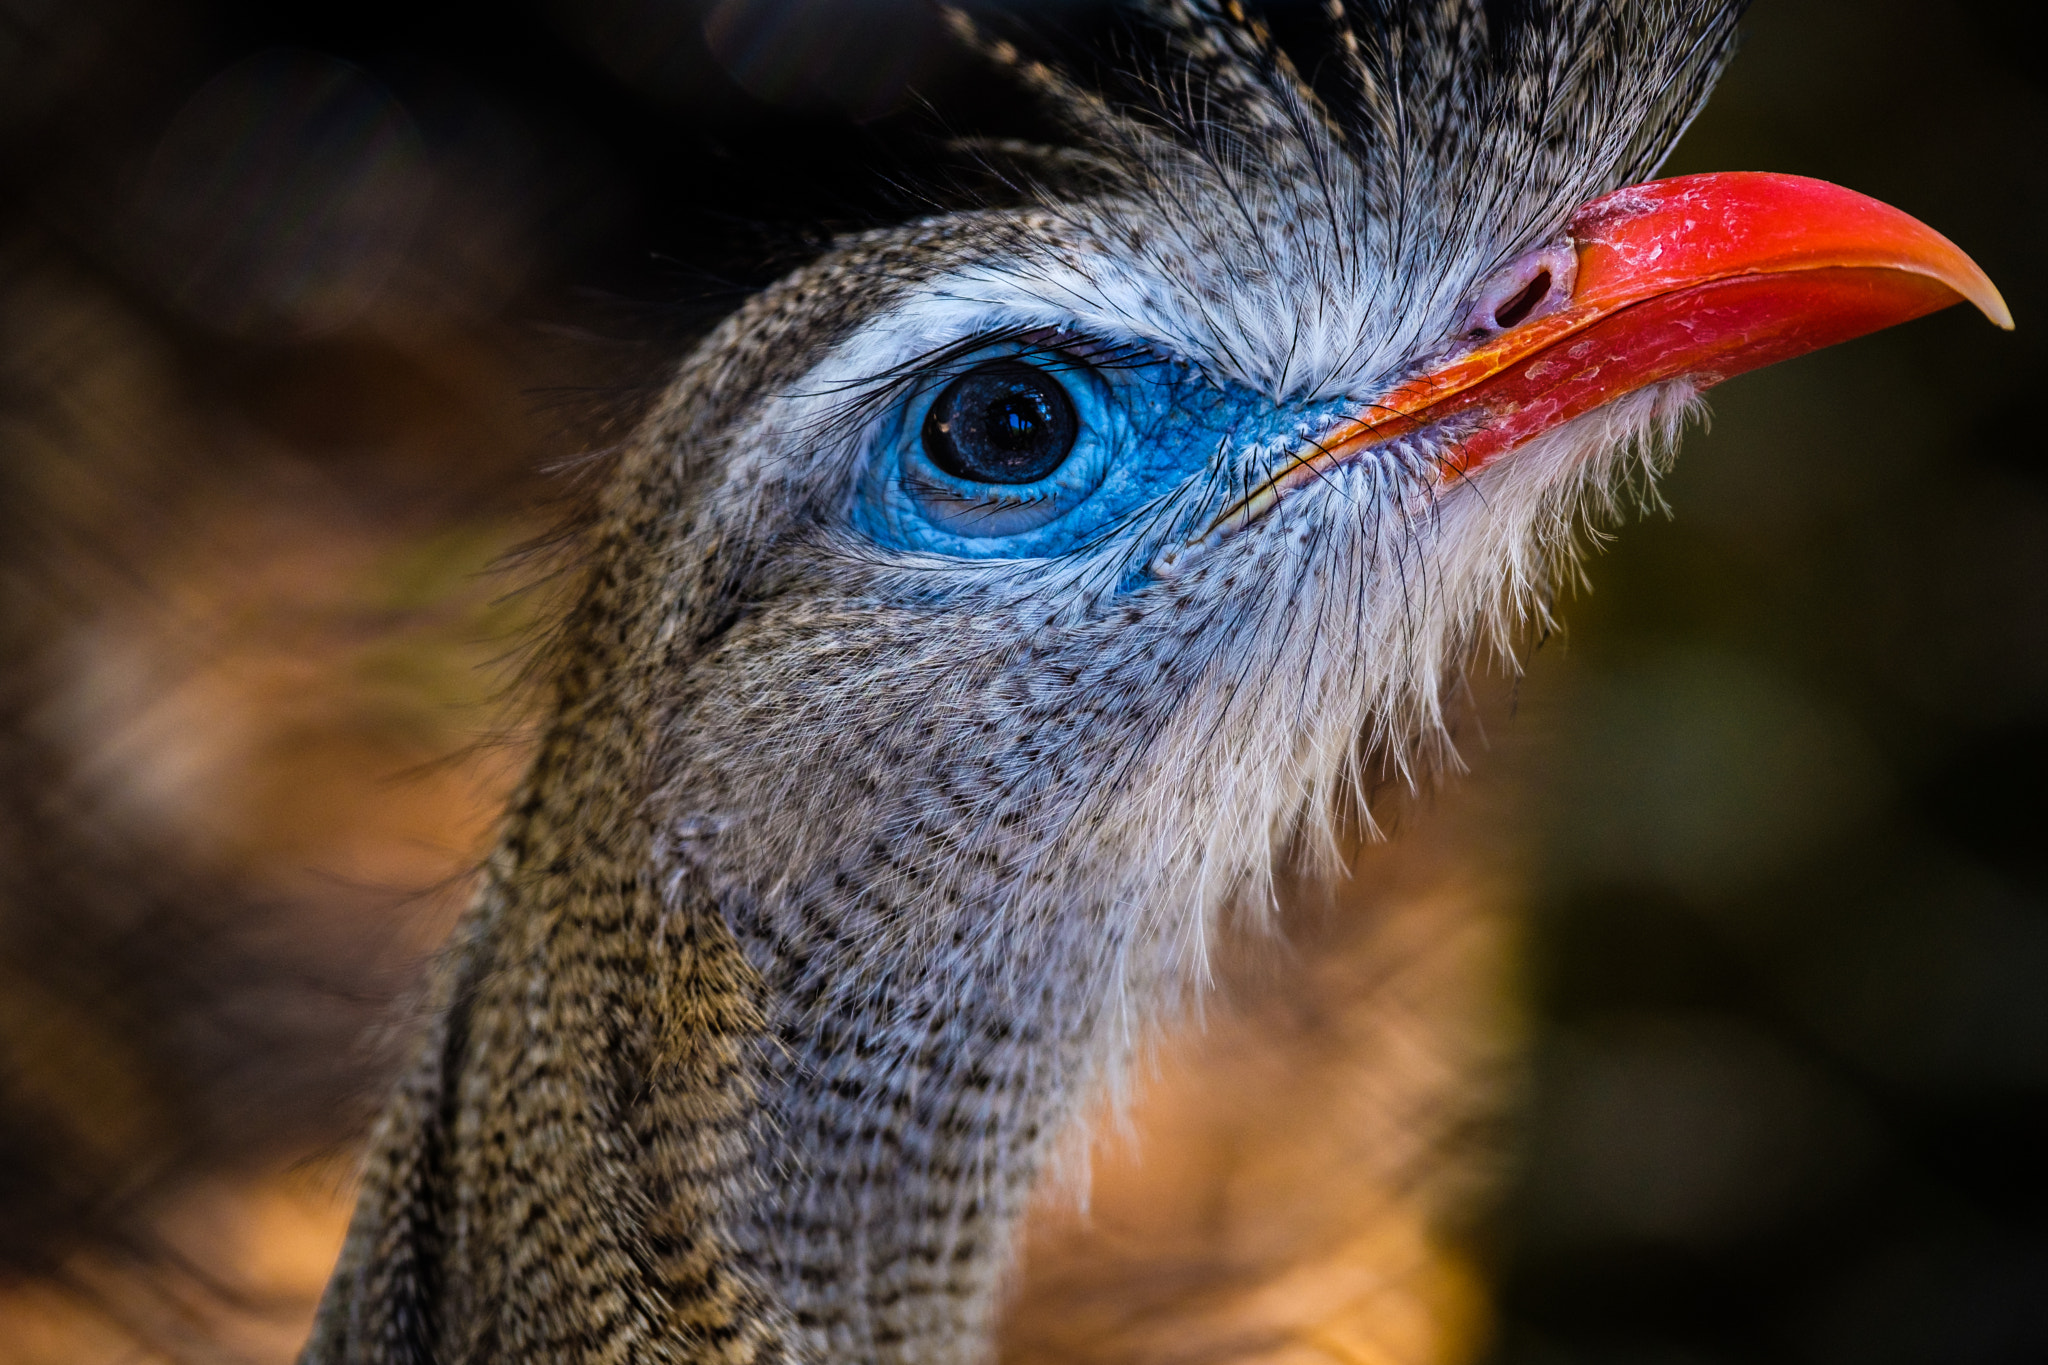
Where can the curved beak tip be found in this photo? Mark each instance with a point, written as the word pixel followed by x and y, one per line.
pixel 1992 305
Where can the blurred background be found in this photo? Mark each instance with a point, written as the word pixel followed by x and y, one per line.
pixel 1705 1020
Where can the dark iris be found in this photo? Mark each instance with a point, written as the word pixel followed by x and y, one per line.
pixel 1002 422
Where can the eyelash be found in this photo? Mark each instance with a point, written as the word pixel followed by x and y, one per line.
pixel 1052 348
pixel 994 493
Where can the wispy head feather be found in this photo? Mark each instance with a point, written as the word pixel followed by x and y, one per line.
pixel 1345 221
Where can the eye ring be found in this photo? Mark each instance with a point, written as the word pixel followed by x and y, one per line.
pixel 1004 422
pixel 924 488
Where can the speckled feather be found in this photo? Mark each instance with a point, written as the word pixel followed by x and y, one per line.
pixel 844 881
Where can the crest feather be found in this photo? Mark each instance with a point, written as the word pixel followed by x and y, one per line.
pixel 1331 232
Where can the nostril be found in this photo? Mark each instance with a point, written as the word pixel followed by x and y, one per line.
pixel 1524 303
pixel 1534 285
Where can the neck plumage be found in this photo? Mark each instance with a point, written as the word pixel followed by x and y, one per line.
pixel 923 1061
pixel 685 1106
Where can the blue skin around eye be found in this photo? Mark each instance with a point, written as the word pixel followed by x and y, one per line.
pixel 1158 442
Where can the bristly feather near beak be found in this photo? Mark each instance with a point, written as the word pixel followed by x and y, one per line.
pixel 1700 278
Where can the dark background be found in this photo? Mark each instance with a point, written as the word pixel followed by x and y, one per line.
pixel 354 275
pixel 1791 955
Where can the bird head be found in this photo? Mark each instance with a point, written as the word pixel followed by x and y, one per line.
pixel 1031 574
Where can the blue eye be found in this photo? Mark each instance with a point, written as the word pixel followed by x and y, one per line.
pixel 990 460
pixel 1053 445
pixel 1002 422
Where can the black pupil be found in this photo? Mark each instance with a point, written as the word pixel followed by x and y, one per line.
pixel 1002 422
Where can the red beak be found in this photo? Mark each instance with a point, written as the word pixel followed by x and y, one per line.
pixel 1701 277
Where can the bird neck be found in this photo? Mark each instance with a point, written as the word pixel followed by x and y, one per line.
pixel 925 1061
pixel 771 1016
